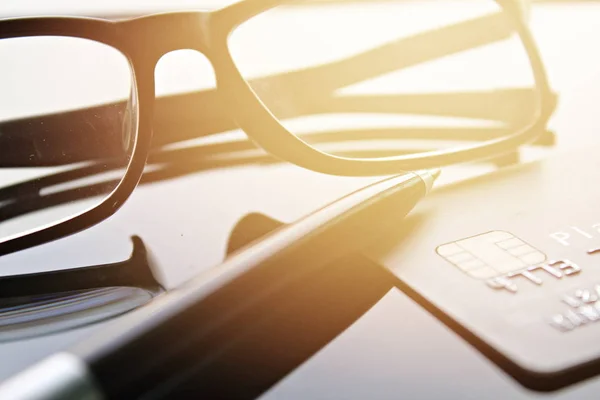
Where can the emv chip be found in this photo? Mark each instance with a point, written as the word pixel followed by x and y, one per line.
pixel 491 254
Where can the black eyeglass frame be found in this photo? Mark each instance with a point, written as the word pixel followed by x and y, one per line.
pixel 146 39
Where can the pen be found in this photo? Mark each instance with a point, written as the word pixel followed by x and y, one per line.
pixel 150 350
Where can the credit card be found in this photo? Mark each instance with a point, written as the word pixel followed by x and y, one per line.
pixel 511 261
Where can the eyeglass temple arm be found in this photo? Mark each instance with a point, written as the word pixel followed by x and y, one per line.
pixel 510 107
pixel 25 196
pixel 89 134
pixel 219 155
pixel 64 138
pixel 137 271
pixel 23 144
pixel 399 54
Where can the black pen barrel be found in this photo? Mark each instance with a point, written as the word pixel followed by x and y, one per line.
pixel 151 350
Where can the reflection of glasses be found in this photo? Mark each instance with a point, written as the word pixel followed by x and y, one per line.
pixel 45 302
pixel 311 94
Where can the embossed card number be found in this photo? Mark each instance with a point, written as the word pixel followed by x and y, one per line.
pixel 501 259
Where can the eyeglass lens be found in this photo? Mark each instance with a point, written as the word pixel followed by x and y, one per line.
pixel 385 78
pixel 41 79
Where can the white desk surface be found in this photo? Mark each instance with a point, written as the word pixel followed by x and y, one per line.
pixel 375 358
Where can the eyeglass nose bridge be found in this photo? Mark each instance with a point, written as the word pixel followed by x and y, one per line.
pixel 153 36
pixel 149 39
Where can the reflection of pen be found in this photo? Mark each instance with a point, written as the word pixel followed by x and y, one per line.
pixel 152 349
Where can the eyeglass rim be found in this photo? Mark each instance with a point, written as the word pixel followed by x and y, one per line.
pixel 257 121
pixel 249 112
pixel 106 32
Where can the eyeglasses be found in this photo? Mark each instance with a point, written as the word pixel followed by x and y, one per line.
pixel 338 87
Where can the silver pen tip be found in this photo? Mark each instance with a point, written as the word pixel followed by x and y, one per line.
pixel 429 177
